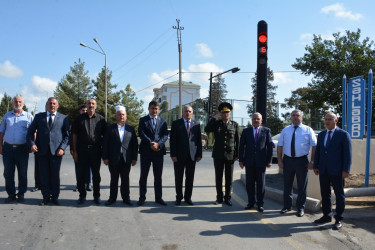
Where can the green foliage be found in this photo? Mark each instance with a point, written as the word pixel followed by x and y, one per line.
pixel 113 98
pixel 73 90
pixel 273 121
pixel 163 107
pixel 328 60
pixel 219 92
pixel 133 107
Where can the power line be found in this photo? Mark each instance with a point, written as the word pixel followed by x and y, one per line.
pixel 156 83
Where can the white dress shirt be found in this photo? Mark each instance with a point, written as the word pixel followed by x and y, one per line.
pixel 121 132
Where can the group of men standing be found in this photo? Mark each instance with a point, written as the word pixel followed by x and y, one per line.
pixel 47 135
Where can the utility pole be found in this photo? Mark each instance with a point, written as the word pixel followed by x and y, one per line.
pixel 178 28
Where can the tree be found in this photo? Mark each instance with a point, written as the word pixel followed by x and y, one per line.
pixel 218 93
pixel 133 107
pixel 163 107
pixel 328 60
pixel 113 97
pixel 73 90
pixel 273 121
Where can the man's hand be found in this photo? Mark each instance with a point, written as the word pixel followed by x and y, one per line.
pixel 134 162
pixel 269 165
pixel 345 174
pixel 34 148
pixel 198 159
pixel 174 159
pixel 60 152
pixel 316 171
pixel 106 162
pixel 280 163
pixel 241 164
pixel 155 146
pixel 235 159
pixel 310 166
pixel 1 149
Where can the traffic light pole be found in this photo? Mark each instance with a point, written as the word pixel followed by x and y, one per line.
pixel 262 49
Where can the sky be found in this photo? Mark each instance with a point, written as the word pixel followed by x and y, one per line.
pixel 40 41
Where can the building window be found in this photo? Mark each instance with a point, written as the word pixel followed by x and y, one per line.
pixel 164 98
pixel 159 100
pixel 165 89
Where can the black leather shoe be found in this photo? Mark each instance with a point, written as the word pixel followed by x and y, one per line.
pixel 10 199
pixel 141 202
pixel 97 201
pixel 21 199
pixel 81 200
pixel 189 202
pixel 127 202
pixel 56 202
pixel 300 213
pixel 178 202
pixel 161 202
pixel 324 219
pixel 35 189
pixel 217 202
pixel 228 202
pixel 249 206
pixel 44 202
pixel 260 209
pixel 285 210
pixel 337 225
pixel 110 202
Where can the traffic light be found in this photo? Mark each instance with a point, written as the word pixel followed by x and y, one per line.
pixel 262 42
pixel 213 107
pixel 262 50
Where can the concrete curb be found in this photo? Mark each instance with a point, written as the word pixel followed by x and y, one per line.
pixel 312 205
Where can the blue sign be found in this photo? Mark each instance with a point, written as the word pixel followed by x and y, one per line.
pixel 356 107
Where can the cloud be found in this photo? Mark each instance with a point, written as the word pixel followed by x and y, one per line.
pixel 236 106
pixel 43 85
pixel 306 36
pixel 340 12
pixel 280 78
pixel 203 50
pixel 8 70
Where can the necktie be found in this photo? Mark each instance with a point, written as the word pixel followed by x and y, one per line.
pixel 256 135
pixel 153 123
pixel 293 146
pixel 50 121
pixel 328 138
pixel 188 127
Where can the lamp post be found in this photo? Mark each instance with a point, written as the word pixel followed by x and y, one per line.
pixel 234 70
pixel 105 70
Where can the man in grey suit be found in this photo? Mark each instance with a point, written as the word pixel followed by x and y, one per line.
pixel 255 154
pixel 50 144
pixel 332 162
pixel 120 152
pixel 186 150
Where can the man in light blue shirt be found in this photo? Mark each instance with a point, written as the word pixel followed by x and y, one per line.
pixel 13 129
pixel 295 142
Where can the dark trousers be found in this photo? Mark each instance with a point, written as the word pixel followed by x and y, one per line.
pixel 36 172
pixel 181 166
pixel 295 167
pixel 122 170
pixel 89 158
pixel 12 158
pixel 255 175
pixel 157 167
pixel 338 184
pixel 220 167
pixel 87 173
pixel 49 169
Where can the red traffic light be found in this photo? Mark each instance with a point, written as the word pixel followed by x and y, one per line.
pixel 262 37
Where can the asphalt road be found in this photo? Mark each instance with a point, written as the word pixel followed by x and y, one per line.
pixel 202 226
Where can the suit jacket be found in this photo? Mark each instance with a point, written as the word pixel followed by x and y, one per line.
pixel 184 146
pixel 112 145
pixel 53 138
pixel 148 135
pixel 257 154
pixel 335 158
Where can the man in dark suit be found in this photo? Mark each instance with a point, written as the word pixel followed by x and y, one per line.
pixel 51 141
pixel 186 150
pixel 332 162
pixel 153 131
pixel 120 152
pixel 255 154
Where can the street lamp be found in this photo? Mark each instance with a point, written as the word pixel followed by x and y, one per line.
pixel 105 70
pixel 234 70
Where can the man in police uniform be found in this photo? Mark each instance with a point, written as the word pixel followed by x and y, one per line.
pixel 225 151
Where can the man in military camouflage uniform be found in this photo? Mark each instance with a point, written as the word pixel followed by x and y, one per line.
pixel 225 151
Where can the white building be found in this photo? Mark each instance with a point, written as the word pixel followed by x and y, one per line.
pixel 170 92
